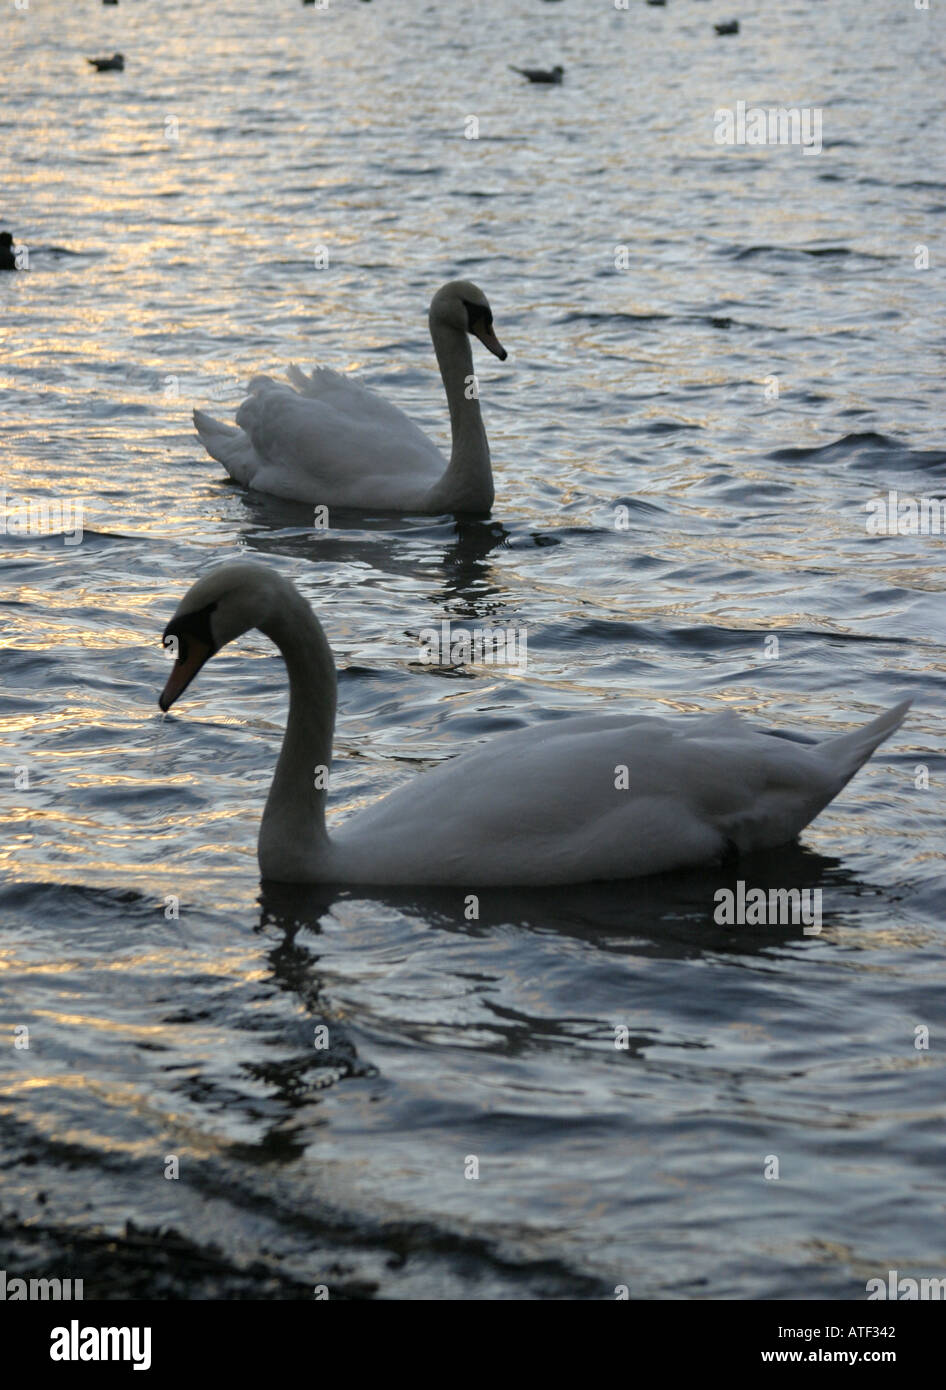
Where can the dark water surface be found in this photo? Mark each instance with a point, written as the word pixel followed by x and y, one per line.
pixel 164 272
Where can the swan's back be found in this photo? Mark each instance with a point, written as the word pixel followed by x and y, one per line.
pixel 355 402
pixel 547 804
pixel 325 439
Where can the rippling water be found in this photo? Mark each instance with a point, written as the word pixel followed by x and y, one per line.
pixel 649 285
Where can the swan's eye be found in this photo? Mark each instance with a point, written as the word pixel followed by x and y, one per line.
pixel 477 312
pixel 195 625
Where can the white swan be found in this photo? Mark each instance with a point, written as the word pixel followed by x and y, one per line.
pixel 334 443
pixel 533 807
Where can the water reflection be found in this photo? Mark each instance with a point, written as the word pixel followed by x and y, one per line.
pixel 668 917
pixel 454 554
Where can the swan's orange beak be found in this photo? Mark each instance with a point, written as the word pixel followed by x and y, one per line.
pixel 196 653
pixel 489 340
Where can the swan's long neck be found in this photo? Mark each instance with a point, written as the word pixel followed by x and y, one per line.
pixel 467 485
pixel 292 833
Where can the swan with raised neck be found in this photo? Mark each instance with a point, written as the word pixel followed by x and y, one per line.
pixel 327 440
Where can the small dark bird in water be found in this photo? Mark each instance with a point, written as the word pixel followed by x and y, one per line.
pixel 7 253
pixel 114 64
pixel 729 26
pixel 656 2
pixel 109 2
pixel 541 74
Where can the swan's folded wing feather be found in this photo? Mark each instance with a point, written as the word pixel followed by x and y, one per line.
pixel 549 804
pixel 343 447
pixel 351 398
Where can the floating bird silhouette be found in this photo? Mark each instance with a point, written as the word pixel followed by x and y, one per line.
pixel 728 26
pixel 541 74
pixel 114 64
pixel 7 253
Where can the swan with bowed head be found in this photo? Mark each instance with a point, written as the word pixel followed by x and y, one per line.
pixel 326 439
pixel 533 807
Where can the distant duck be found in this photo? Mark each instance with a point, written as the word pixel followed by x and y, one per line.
pixel 7 253
pixel 656 2
pixel 114 64
pixel 729 26
pixel 541 74
pixel 109 2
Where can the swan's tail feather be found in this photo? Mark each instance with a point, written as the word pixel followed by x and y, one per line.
pixel 229 445
pixel 317 382
pixel 851 751
pixel 299 379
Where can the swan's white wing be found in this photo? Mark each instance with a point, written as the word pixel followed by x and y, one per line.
pixel 543 806
pixel 333 443
pixel 346 394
